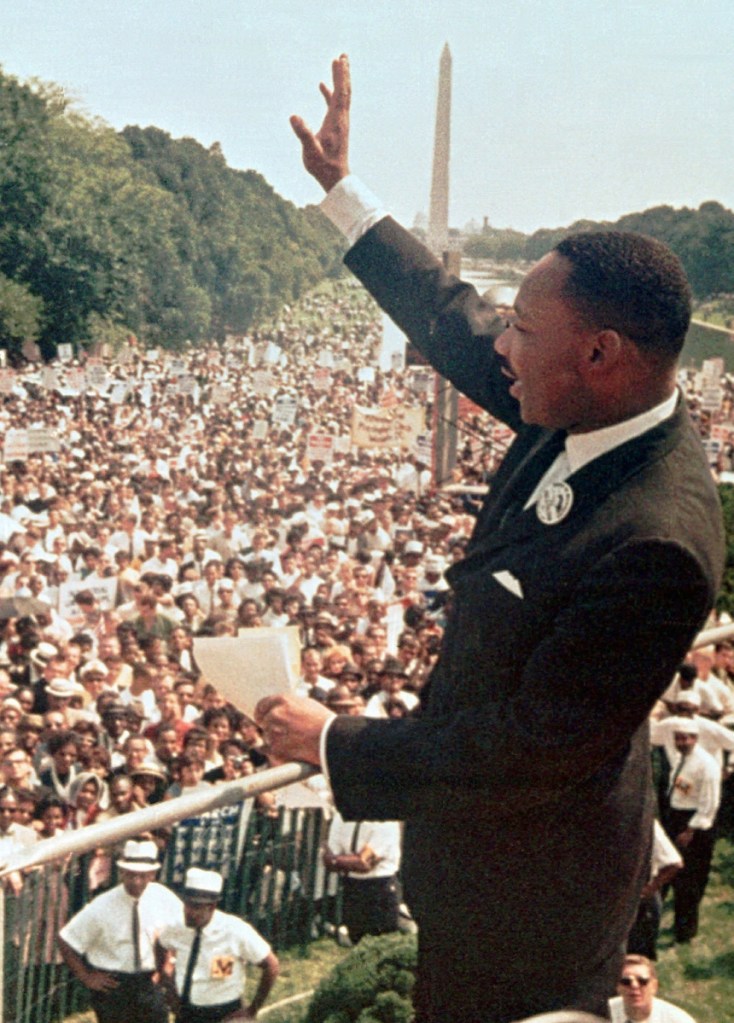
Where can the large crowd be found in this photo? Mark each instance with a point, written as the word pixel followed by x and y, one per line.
pixel 180 494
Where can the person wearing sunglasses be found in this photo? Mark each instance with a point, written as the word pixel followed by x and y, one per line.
pixel 636 1000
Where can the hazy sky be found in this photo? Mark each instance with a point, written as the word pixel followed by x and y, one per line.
pixel 562 109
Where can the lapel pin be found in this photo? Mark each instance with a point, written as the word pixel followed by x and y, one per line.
pixel 554 503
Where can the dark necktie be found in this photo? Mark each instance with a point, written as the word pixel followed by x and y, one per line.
pixel 678 769
pixel 516 490
pixel 136 938
pixel 189 976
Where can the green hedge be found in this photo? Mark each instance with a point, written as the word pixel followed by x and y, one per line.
pixel 373 984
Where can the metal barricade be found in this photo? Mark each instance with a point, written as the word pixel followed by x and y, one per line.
pixel 273 878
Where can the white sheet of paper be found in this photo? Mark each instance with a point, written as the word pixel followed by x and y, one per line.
pixel 253 664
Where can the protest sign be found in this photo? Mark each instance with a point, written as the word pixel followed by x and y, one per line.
pixel 325 358
pixel 15 446
pixel 321 379
pixel 284 411
pixel 222 394
pixel 320 448
pixel 96 373
pixel 42 440
pixel 103 589
pixel 262 383
pixel 383 428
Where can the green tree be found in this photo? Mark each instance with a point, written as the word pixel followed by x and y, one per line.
pixel 20 314
pixel 249 249
pixel 725 601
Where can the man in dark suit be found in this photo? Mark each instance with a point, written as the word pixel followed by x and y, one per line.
pixel 597 554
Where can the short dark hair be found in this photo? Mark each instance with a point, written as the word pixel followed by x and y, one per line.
pixel 687 672
pixel 629 283
pixel 57 741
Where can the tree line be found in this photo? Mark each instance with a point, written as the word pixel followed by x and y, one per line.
pixel 703 240
pixel 106 234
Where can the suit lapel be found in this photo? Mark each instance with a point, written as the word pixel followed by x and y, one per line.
pixel 504 521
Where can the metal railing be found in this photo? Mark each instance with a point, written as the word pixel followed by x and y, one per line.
pixel 271 866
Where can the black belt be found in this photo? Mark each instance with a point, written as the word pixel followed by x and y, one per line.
pixel 120 975
pixel 189 1013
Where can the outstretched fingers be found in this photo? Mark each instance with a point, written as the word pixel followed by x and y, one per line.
pixel 341 77
pixel 326 152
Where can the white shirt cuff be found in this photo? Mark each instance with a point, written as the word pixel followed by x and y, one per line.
pixel 352 208
pixel 322 751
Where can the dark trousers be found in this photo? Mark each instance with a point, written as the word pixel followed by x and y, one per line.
pixel 207 1013
pixel 371 906
pixel 643 938
pixel 689 884
pixel 472 992
pixel 136 999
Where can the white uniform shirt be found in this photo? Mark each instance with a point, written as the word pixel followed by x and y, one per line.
pixel 664 853
pixel 662 1012
pixel 723 692
pixel 383 838
pixel 102 931
pixel 696 786
pixel 17 840
pixel 227 945
pixel 376 705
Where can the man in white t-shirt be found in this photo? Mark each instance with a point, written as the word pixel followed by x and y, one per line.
pixel 636 1001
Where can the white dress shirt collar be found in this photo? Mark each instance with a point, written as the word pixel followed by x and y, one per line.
pixel 582 448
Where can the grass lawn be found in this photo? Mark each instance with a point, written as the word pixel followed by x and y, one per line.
pixel 700 976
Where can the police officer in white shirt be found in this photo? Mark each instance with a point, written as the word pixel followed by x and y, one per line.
pixel 367 855
pixel 694 795
pixel 110 944
pixel 665 863
pixel 211 950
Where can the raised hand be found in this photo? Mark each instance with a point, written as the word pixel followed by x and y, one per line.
pixel 326 154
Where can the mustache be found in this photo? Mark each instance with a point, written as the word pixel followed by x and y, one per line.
pixel 505 368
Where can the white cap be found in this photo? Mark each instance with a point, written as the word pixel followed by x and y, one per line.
pixel 202 886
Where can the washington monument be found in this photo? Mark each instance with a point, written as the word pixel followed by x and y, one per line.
pixel 438 219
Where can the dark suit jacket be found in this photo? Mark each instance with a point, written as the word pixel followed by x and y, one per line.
pixel 525 781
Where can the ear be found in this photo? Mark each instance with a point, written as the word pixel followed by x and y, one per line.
pixel 605 349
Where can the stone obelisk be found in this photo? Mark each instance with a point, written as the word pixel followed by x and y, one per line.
pixel 438 218
pixel 446 397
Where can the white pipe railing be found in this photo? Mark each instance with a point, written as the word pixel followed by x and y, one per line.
pixel 157 816
pixel 717 634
